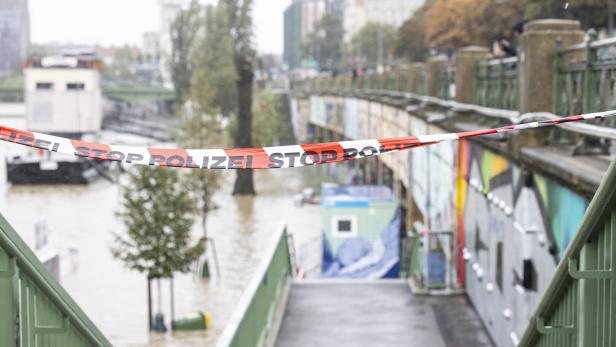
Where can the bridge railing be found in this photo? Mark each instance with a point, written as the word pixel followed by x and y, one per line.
pixel 578 309
pixel 446 82
pixel 586 76
pixel 253 322
pixel 553 78
pixel 34 309
pixel 585 82
pixel 428 259
pixel 496 83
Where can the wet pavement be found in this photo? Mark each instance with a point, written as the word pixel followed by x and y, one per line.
pixel 376 313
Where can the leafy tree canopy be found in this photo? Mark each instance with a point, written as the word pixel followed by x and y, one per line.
pixel 183 38
pixel 324 44
pixel 158 214
pixel 214 60
pixel 410 42
pixel 373 44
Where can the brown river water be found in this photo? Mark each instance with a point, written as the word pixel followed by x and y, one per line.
pixel 82 218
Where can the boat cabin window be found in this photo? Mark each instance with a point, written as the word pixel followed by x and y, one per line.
pixel 344 226
pixel 75 86
pixel 44 86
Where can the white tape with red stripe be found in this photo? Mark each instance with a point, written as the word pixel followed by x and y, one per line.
pixel 257 158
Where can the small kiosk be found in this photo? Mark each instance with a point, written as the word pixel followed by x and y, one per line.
pixel 361 232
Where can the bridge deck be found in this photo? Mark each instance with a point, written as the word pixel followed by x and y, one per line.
pixel 380 313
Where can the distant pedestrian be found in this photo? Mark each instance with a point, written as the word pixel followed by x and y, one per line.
pixel 507 49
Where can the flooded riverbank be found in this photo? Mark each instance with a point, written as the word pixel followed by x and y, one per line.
pixel 83 218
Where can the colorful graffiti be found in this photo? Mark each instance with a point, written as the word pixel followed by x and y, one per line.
pixel 513 226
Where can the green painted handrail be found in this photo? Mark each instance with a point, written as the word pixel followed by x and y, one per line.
pixel 578 305
pixel 252 320
pixel 32 298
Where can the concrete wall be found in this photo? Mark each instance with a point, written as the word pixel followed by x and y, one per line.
pixel 512 224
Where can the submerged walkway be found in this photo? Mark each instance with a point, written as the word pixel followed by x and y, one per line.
pixel 378 313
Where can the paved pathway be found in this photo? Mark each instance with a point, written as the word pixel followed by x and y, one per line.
pixel 376 314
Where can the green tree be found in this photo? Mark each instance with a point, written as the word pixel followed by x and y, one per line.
pixel 592 13
pixel 123 58
pixel 496 19
pixel 158 214
pixel 324 44
pixel 244 56
pixel 410 42
pixel 372 45
pixel 184 31
pixel 446 24
pixel 215 59
pixel 200 128
pixel 267 122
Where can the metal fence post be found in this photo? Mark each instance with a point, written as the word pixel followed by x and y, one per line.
pixel 558 78
pixel 589 76
pixel 8 307
pixel 587 297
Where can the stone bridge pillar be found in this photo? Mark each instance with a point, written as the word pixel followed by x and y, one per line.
pixel 466 64
pixel 432 68
pixel 537 55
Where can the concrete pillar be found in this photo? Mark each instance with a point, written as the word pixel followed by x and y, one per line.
pixel 466 63
pixel 537 57
pixel 432 68
pixel 415 72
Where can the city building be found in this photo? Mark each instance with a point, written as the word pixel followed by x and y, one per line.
pixel 393 12
pixel 14 34
pixel 293 35
pixel 169 10
pixel 151 45
pixel 336 8
pixel 63 95
pixel 299 21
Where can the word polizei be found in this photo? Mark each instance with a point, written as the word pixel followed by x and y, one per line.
pixel 258 158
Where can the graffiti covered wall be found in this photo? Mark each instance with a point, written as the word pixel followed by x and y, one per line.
pixel 515 225
pixel 511 225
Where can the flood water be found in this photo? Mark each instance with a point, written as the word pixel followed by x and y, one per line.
pixel 83 218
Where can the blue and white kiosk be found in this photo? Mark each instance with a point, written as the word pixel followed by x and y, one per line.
pixel 361 232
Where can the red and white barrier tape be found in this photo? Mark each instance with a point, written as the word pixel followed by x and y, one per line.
pixel 258 158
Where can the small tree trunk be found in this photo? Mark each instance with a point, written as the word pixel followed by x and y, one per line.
pixel 244 184
pixel 149 304
pixel 204 213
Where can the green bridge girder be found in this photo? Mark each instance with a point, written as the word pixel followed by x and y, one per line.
pixel 34 308
pixel 12 90
pixel 139 94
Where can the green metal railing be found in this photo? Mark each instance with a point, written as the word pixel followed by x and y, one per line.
pixel 34 309
pixel 585 76
pixel 403 80
pixel 446 82
pixel 497 83
pixel 579 306
pixel 420 82
pixel 252 320
pixel 12 89
pixel 412 255
pixel 417 249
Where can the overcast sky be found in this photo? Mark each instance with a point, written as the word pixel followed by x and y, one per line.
pixel 118 22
